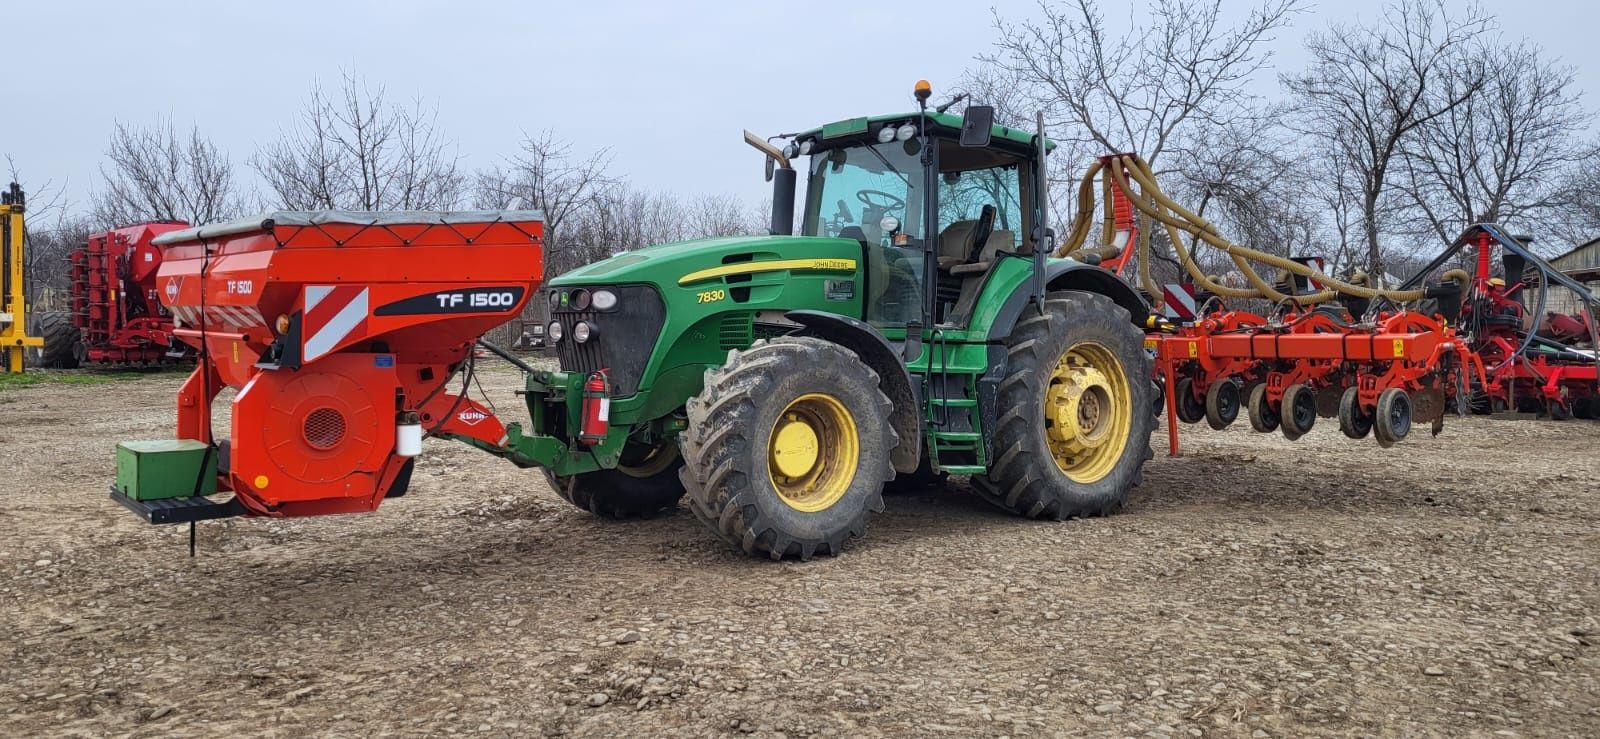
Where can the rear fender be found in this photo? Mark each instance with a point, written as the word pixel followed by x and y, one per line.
pixel 1068 274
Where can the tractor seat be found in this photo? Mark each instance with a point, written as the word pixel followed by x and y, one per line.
pixel 953 248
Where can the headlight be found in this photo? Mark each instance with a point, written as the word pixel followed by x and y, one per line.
pixel 578 299
pixel 792 150
pixel 904 133
pixel 555 299
pixel 886 134
pixel 555 331
pixel 805 147
pixel 581 331
pixel 603 299
pixel 889 224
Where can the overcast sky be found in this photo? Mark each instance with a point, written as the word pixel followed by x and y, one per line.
pixel 666 85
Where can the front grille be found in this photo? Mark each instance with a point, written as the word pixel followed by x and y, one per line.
pixel 625 339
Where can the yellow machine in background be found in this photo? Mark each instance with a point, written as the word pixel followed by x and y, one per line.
pixel 14 338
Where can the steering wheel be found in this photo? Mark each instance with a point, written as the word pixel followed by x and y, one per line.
pixel 980 234
pixel 888 200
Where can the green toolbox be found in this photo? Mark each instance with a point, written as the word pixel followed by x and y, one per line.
pixel 170 468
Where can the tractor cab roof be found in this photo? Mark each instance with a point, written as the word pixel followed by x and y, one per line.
pixel 851 129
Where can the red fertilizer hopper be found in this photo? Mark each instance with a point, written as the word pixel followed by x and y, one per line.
pixel 341 332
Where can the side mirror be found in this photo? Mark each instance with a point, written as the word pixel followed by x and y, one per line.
pixel 977 125
pixel 771 165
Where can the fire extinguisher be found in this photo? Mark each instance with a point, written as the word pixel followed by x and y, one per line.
pixel 596 409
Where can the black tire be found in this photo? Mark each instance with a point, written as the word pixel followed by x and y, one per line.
pixel 1391 421
pixel 1262 417
pixel 728 469
pixel 1560 411
pixel 1190 408
pixel 1354 422
pixel 919 480
pixel 61 339
pixel 1222 404
pixel 1583 408
pixel 1024 477
pixel 644 484
pixel 1297 412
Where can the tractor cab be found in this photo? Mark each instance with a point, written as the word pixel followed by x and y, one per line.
pixel 935 199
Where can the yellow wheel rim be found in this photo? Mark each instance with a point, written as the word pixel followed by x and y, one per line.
pixel 813 452
pixel 652 463
pixel 1088 412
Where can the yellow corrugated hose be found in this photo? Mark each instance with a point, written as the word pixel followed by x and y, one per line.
pixel 1178 220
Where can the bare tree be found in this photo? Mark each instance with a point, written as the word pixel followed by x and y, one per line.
pixel 53 230
pixel 153 173
pixel 1244 177
pixel 1370 86
pixel 1577 220
pixel 722 215
pixel 1143 91
pixel 353 150
pixel 1157 89
pixel 548 176
pixel 1497 156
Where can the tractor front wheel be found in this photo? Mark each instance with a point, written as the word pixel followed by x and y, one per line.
pixel 1073 433
pixel 787 449
pixel 644 483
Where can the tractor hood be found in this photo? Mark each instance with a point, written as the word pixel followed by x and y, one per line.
pixel 687 263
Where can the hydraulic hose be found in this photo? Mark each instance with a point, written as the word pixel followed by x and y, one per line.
pixel 1177 220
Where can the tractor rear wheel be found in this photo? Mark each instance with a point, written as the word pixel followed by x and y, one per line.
pixel 644 483
pixel 1073 433
pixel 61 339
pixel 787 449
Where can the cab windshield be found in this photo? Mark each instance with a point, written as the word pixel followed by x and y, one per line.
pixel 853 189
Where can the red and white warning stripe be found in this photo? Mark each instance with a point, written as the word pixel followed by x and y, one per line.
pixel 229 317
pixel 332 313
pixel 1177 301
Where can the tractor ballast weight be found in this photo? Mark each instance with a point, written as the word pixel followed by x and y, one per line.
pixel 340 333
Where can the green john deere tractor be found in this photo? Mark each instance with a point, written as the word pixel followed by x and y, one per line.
pixel 913 328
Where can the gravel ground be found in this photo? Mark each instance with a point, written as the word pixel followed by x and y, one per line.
pixel 1254 587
